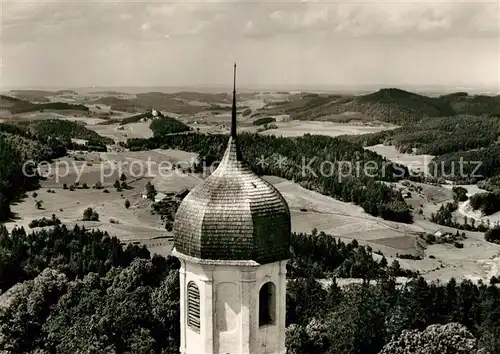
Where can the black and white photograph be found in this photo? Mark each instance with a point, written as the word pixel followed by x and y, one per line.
pixel 249 177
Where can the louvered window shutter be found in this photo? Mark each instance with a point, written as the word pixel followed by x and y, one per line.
pixel 193 306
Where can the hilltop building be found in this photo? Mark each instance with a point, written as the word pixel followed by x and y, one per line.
pixel 232 236
pixel 159 197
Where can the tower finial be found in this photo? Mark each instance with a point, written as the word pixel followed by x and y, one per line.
pixel 233 114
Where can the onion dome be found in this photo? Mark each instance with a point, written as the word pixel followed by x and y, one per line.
pixel 234 215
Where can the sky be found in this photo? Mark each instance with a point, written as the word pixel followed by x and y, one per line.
pixel 108 43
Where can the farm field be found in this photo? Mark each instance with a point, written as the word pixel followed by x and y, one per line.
pixel 119 132
pixel 309 210
pixel 299 128
pixel 135 224
pixel 417 163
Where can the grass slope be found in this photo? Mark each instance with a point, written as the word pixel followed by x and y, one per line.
pixel 66 130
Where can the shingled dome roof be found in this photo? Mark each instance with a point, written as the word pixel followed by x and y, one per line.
pixel 233 215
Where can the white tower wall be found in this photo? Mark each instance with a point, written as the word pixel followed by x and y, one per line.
pixel 229 308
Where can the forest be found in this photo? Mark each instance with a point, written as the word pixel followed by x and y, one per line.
pixel 491 184
pixel 468 166
pixel 390 105
pixel 82 291
pixel 437 135
pixel 167 125
pixel 322 256
pixel 465 146
pixel 323 164
pixel 31 146
pixel 493 235
pixel 17 105
pixel 264 120
pixel 78 251
pixel 14 151
pixel 35 142
pixel 66 130
pixel 487 203
pixel 44 141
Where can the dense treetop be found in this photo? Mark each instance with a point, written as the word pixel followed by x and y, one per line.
pixel 451 338
pixel 476 165
pixel 468 138
pixel 437 135
pixel 83 291
pixel 65 130
pixel 74 252
pixel 14 151
pixel 167 125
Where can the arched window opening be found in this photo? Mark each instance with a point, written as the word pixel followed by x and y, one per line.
pixel 267 304
pixel 193 306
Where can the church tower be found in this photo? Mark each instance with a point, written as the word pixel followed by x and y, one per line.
pixel 232 236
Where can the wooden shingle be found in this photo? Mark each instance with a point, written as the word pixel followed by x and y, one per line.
pixel 233 215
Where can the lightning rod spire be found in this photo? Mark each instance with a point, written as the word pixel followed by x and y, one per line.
pixel 233 115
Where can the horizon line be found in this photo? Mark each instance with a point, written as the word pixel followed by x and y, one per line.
pixel 267 87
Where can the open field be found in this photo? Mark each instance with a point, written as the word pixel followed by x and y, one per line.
pixel 135 224
pixel 416 163
pixel 119 132
pixel 345 220
pixel 477 260
pixel 50 114
pixel 220 123
pixel 309 210
pixel 299 128
pixel 431 197
pixel 207 113
pixel 471 188
pixel 324 213
pixel 69 206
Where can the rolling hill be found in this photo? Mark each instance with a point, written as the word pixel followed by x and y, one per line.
pixel 39 95
pixel 119 104
pixel 464 103
pixel 437 136
pixel 6 102
pixel 16 105
pixel 180 103
pixel 387 105
pixel 66 130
